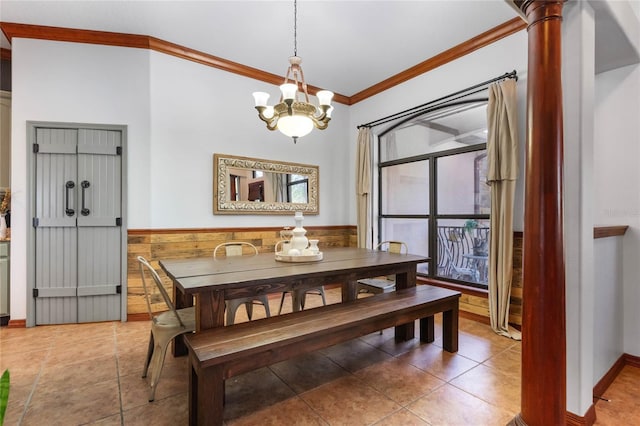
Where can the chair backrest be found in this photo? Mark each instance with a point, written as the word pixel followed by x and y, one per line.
pixel 234 248
pixel 144 264
pixel 393 247
pixel 398 247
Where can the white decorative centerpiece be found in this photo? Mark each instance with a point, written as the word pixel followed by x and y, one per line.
pixel 299 241
pixel 299 248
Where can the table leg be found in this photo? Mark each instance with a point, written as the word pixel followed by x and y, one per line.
pixel 349 291
pixel 180 300
pixel 406 279
pixel 209 310
pixel 427 329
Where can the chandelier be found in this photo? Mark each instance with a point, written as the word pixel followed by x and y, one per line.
pixel 293 116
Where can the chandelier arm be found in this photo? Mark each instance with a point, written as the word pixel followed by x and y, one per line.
pixel 304 85
pixel 320 124
pixel 271 122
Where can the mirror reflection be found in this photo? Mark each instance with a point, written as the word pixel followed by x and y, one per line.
pixel 252 185
pixel 269 187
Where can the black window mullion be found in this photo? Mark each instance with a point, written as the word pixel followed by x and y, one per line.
pixel 433 205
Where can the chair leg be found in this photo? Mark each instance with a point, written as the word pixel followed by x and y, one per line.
pixel 156 369
pixel 232 308
pixel 324 299
pixel 281 302
pixel 249 307
pixel 149 354
pixel 265 302
pixel 303 299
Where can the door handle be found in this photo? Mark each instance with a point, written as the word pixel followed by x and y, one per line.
pixel 67 186
pixel 84 184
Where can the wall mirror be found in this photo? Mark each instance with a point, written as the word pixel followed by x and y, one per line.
pixel 243 185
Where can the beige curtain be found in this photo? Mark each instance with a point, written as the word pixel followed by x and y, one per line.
pixel 278 186
pixel 363 183
pixel 502 155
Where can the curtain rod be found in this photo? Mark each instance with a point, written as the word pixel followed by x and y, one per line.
pixel 513 74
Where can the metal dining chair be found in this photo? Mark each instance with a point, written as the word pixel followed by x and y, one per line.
pixel 388 283
pixel 301 295
pixel 164 326
pixel 235 248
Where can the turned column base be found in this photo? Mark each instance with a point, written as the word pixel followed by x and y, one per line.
pixel 517 421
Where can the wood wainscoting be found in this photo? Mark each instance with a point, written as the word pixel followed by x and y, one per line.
pixel 157 244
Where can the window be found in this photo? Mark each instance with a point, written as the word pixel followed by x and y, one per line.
pixel 298 188
pixel 433 194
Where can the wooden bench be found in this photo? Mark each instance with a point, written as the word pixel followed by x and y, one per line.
pixel 221 353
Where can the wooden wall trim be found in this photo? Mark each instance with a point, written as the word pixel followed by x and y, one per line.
pixel 632 360
pixel 5 54
pixel 147 42
pixel 606 380
pixel 243 229
pixel 494 34
pixel 17 323
pixel 478 292
pixel 588 420
pixel 609 231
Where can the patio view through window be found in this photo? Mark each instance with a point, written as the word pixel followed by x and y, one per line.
pixel 433 193
pixel 298 189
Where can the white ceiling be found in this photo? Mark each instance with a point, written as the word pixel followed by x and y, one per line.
pixel 346 46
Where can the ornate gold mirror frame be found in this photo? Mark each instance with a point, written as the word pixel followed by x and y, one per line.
pixel 228 167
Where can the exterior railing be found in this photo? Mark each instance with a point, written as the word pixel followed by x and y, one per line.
pixel 463 253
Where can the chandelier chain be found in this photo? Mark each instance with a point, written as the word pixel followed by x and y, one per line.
pixel 295 27
pixel 293 116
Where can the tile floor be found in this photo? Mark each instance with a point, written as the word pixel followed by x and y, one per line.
pixel 90 374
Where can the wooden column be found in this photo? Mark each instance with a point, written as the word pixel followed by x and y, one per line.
pixel 543 323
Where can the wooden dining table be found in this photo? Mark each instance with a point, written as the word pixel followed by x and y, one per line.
pixel 212 281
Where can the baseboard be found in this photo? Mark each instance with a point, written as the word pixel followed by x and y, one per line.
pixel 19 323
pixel 144 316
pixel 474 317
pixel 588 420
pixel 601 387
pixel 609 377
pixel 632 360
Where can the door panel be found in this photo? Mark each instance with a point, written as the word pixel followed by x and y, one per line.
pixel 99 239
pixel 77 244
pixel 56 236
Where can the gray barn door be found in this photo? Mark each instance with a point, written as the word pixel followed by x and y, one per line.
pixel 77 225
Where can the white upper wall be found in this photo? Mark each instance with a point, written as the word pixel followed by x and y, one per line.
pixel 617 183
pixel 197 111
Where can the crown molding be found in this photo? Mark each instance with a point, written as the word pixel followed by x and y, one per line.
pixel 494 34
pixel 74 35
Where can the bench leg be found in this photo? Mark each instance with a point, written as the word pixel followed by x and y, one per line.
pixel 450 329
pixel 193 396
pixel 405 332
pixel 206 397
pixel 427 332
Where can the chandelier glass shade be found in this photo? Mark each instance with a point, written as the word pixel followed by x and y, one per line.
pixel 295 115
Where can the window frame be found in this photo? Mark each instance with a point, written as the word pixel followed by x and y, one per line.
pixel 292 183
pixel 432 216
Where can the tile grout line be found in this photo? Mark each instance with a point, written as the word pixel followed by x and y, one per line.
pixel 37 379
pixel 115 337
